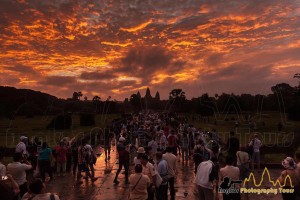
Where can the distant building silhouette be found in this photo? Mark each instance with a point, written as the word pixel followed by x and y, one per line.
pixel 157 96
pixel 148 94
pixel 138 94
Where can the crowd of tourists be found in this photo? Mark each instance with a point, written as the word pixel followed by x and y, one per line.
pixel 152 145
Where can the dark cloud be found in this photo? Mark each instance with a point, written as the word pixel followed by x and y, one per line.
pixel 97 75
pixel 59 81
pixel 238 45
pixel 22 69
pixel 214 60
pixel 145 61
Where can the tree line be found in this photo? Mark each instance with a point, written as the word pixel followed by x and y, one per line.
pixel 284 98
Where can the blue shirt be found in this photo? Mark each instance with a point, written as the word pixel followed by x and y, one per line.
pixel 44 154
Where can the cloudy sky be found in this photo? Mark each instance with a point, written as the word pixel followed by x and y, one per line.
pixel 118 47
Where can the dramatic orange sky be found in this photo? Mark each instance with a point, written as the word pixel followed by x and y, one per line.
pixel 117 47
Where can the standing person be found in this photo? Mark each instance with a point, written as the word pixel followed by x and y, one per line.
pixel 68 157
pixel 149 170
pixel 44 161
pixel 61 158
pixel 172 142
pixel 2 167
pixel 38 192
pixel 138 184
pixel 233 145
pixel 233 173
pixel 162 142
pixel 141 151
pixel 21 146
pixel 82 164
pixel 162 169
pixel 206 174
pixel 107 143
pixel 172 169
pixel 9 189
pixel 124 159
pixel 74 150
pixel 256 143
pixel 290 169
pixel 89 154
pixel 154 146
pixel 18 171
pixel 184 143
pixel 243 163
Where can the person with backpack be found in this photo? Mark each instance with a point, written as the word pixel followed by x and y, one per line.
pixel 206 174
pixel 90 157
pixel 83 164
pixel 201 153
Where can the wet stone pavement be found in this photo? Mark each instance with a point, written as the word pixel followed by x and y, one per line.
pixel 104 188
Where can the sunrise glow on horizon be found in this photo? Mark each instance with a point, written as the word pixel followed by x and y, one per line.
pixel 116 48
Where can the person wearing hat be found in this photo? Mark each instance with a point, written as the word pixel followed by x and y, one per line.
pixel 124 158
pixel 21 147
pixel 290 169
pixel 140 152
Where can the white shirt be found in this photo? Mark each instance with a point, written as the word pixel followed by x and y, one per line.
pixel 202 176
pixel 149 170
pixel 136 161
pixel 21 148
pixel 153 144
pixel 256 144
pixel 17 170
pixel 2 170
pixel 163 142
pixel 172 163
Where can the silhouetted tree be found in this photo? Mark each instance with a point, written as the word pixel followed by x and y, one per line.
pixel 96 102
pixel 75 96
pixel 79 95
pixel 177 94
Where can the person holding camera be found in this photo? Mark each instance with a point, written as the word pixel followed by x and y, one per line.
pixel 18 171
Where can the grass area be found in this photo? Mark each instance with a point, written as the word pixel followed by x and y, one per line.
pixel 266 127
pixel 11 130
pixel 266 123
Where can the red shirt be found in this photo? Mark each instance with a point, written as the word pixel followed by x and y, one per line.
pixel 61 154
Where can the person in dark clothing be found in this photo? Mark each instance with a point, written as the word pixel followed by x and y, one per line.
pixel 233 145
pixel 69 158
pixel 74 149
pixel 123 160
